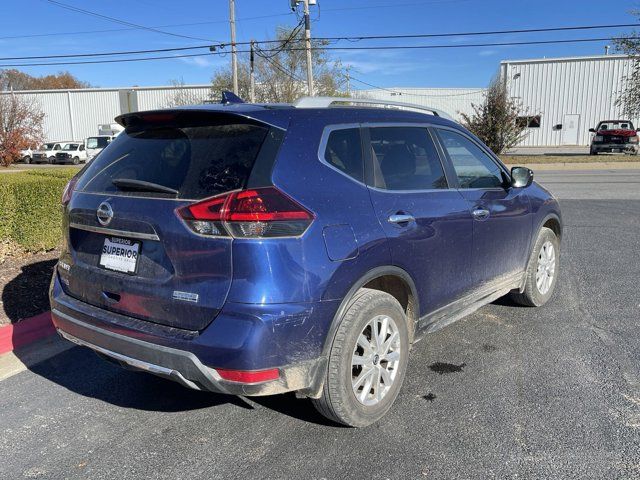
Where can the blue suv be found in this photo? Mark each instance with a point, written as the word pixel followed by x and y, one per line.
pixel 260 249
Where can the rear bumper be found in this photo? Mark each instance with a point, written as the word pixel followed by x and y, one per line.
pixel 236 340
pixel 615 147
pixel 178 365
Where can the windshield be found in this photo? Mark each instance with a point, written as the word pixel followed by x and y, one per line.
pixel 47 146
pixel 616 125
pixel 97 142
pixel 70 146
pixel 197 161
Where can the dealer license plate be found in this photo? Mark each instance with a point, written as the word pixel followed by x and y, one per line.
pixel 120 254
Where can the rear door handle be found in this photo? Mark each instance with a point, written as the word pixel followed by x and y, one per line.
pixel 480 213
pixel 401 218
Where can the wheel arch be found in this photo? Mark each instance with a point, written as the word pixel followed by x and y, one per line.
pixel 390 279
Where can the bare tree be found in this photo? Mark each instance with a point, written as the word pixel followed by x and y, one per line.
pixel 629 97
pixel 21 126
pixel 183 95
pixel 497 121
pixel 280 70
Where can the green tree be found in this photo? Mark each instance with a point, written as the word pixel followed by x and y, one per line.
pixel 496 121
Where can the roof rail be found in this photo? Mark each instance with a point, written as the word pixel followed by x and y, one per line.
pixel 325 102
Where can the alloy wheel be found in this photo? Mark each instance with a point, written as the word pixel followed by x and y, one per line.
pixel 546 270
pixel 375 360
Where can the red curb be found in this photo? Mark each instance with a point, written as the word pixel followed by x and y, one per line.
pixel 25 332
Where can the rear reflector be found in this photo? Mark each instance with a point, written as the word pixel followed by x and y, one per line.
pixel 256 213
pixel 245 376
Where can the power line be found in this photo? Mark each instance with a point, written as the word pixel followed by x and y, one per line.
pixel 468 34
pixel 389 47
pixel 110 30
pixel 117 20
pixel 352 38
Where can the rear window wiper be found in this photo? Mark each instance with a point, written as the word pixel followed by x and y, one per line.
pixel 142 186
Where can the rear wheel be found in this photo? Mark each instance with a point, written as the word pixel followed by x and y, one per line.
pixel 367 360
pixel 542 271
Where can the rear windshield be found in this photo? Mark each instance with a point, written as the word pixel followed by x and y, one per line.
pixel 197 161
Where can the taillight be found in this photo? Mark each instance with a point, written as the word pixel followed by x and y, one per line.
pixel 68 191
pixel 255 213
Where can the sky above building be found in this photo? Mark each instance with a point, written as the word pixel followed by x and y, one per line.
pixel 44 27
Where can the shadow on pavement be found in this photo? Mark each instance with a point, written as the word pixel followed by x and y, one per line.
pixel 27 294
pixel 83 372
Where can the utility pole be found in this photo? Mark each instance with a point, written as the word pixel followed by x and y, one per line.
pixel 348 83
pixel 234 55
pixel 252 81
pixel 307 41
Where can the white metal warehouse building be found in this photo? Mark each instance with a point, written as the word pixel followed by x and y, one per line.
pixel 561 97
pixel 570 95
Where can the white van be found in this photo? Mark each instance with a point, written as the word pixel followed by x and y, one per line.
pixel 47 152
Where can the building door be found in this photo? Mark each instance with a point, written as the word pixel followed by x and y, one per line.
pixel 570 131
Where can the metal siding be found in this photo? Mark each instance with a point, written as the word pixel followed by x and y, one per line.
pixel 454 101
pixel 150 99
pixel 586 86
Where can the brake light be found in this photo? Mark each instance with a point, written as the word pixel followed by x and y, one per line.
pixel 68 191
pixel 246 376
pixel 255 213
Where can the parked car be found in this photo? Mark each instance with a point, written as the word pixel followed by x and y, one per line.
pixel 261 249
pixel 614 136
pixel 47 152
pixel 71 153
pixel 25 155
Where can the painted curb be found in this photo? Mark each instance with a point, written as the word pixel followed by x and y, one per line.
pixel 25 332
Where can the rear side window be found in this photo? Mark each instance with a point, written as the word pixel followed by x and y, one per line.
pixel 197 161
pixel 405 158
pixel 344 152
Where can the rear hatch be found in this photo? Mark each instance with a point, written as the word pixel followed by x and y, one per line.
pixel 128 250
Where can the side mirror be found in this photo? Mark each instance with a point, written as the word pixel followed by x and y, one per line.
pixel 593 130
pixel 521 177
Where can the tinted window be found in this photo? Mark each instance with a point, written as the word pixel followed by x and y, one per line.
pixel 344 151
pixel 405 158
pixel 97 142
pixel 197 161
pixel 474 168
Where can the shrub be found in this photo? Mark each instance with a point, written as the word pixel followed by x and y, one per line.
pixel 30 212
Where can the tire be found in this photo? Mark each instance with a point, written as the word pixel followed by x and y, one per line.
pixel 26 159
pixel 593 152
pixel 338 400
pixel 76 160
pixel 533 294
pixel 52 160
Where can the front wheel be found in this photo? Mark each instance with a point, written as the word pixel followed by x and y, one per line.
pixel 27 160
pixel 76 160
pixel 542 270
pixel 52 160
pixel 367 361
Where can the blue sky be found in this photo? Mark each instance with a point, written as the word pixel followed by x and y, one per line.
pixel 463 67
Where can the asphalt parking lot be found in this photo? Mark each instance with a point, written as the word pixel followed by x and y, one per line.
pixel 509 392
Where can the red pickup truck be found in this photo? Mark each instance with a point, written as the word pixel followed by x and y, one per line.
pixel 614 136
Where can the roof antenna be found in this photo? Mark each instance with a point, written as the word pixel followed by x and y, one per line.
pixel 230 97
